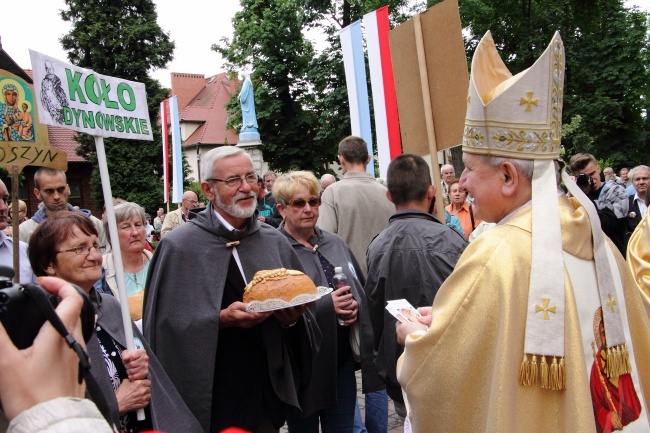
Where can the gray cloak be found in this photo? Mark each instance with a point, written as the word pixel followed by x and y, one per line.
pixel 183 299
pixel 321 393
pixel 168 412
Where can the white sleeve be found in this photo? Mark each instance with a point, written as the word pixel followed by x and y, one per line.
pixel 61 415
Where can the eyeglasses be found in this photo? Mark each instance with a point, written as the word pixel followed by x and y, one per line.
pixel 235 182
pixel 194 202
pixel 301 202
pixel 85 249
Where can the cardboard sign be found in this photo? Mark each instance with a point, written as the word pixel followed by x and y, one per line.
pixel 82 100
pixel 445 77
pixel 23 139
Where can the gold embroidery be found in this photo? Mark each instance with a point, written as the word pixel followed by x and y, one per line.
pixel 611 301
pixel 557 92
pixel 473 137
pixel 529 101
pixel 545 309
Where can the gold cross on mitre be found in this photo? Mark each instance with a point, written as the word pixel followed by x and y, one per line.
pixel 529 101
pixel 611 301
pixel 545 309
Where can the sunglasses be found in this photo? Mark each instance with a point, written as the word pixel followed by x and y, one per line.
pixel 300 203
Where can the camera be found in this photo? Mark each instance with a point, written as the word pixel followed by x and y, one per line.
pixel 21 309
pixel 584 181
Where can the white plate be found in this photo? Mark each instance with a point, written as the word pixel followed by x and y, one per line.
pixel 278 304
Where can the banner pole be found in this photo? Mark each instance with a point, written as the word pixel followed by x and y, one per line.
pixel 117 253
pixel 428 117
pixel 14 223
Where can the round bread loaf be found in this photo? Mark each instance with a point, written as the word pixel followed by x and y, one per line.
pixel 281 283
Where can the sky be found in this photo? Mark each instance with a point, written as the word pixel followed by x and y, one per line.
pixel 194 25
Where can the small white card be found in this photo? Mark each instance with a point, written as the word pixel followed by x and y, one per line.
pixel 403 311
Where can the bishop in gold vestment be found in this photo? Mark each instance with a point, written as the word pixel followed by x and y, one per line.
pixel 511 344
pixel 638 255
pixel 461 376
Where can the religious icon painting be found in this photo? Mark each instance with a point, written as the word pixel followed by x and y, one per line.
pixel 610 365
pixel 616 403
pixel 17 110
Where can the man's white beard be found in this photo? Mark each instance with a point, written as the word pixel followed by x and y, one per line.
pixel 236 210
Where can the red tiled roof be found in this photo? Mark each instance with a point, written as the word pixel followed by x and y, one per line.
pixel 186 86
pixel 63 139
pixel 208 107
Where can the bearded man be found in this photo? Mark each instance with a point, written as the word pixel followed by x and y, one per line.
pixel 233 368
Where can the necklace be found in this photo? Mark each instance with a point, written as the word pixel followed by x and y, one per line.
pixel 134 277
pixel 135 281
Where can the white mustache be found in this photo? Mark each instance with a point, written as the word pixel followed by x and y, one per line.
pixel 243 195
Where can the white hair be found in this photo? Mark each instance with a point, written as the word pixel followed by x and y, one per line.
pixel 633 172
pixel 210 158
pixel 525 166
pixel 448 166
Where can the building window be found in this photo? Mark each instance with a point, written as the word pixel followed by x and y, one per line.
pixel 75 192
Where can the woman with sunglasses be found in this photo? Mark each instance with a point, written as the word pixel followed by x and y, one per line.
pixel 331 395
pixel 66 245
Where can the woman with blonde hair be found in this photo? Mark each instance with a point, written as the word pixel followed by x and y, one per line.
pixel 331 395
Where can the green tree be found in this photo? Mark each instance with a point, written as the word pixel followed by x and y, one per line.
pixel 122 39
pixel 268 37
pixel 606 81
pixel 300 96
pixel 326 71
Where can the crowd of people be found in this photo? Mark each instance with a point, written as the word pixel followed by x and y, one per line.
pixel 530 319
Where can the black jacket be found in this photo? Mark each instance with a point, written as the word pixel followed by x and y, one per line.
pixel 633 219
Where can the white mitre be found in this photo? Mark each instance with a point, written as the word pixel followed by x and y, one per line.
pixel 520 117
pixel 515 116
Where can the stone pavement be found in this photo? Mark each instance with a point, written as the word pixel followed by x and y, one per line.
pixel 395 423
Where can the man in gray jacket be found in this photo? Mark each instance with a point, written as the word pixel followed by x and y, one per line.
pixel 409 260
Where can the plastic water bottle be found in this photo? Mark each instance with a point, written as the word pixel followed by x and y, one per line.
pixel 339 280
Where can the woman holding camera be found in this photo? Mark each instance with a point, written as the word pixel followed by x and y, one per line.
pixel 66 245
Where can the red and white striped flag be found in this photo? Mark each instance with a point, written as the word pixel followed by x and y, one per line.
pixel 383 88
pixel 164 120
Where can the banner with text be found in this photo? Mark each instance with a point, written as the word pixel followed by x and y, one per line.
pixel 80 99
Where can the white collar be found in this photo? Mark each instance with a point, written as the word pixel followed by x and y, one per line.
pixel 223 220
pixel 4 238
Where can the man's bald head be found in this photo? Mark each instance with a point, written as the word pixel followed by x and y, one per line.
pixel 326 180
pixel 190 200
